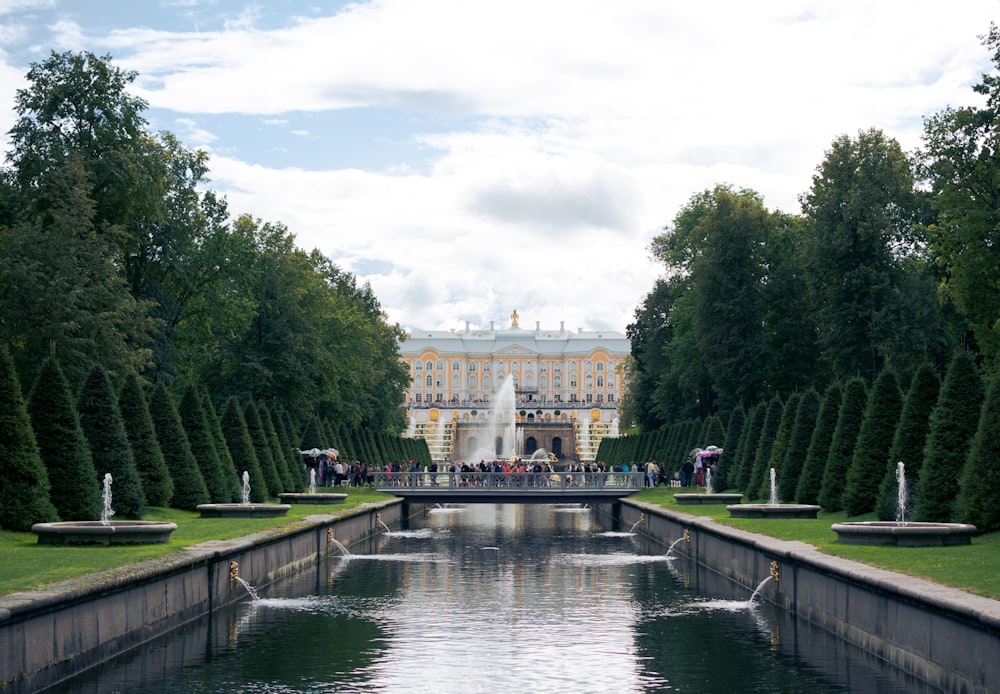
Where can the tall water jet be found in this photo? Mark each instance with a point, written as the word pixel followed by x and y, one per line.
pixel 501 422
pixel 246 488
pixel 902 493
pixel 772 497
pixel 107 512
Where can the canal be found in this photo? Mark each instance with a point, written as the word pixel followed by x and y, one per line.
pixel 499 598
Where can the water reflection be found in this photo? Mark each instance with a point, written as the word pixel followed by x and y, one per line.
pixel 500 598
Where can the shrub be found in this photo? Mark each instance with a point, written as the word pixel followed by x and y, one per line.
pixel 845 436
pixel 109 446
pixel 189 485
pixel 798 444
pixel 952 425
pixel 909 439
pixel 870 461
pixel 64 449
pixel 24 482
pixel 811 478
pixel 156 482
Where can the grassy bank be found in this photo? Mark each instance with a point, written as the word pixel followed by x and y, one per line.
pixel 24 564
pixel 974 568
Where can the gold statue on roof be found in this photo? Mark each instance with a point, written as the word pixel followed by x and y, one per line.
pixel 513 319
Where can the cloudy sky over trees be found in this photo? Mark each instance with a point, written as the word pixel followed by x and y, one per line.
pixel 470 158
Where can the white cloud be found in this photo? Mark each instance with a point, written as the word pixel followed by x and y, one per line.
pixel 586 125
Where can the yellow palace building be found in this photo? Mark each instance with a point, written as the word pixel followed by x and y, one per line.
pixel 558 389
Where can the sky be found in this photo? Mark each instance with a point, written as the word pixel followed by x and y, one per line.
pixel 469 158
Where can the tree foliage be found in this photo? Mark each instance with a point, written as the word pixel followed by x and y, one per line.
pixel 64 448
pixel 156 481
pixel 870 462
pixel 845 437
pixel 24 482
pixel 109 446
pixel 952 426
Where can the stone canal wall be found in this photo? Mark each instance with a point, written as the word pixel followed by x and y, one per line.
pixel 943 636
pixel 49 635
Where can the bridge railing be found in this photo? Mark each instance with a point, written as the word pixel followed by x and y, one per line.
pixel 526 481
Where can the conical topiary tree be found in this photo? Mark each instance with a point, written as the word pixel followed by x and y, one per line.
pixel 203 446
pixel 312 437
pixel 909 439
pixel 979 485
pixel 24 483
pixel 811 478
pixel 234 428
pixel 109 446
pixel 730 443
pixel 189 485
pixel 775 410
pixel 870 460
pixel 262 447
pixel 68 463
pixel 845 436
pixel 798 444
pixel 779 449
pixel 953 424
pixel 747 448
pixel 156 482
pixel 233 480
pixel 278 451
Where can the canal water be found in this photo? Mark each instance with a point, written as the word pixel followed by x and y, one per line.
pixel 504 598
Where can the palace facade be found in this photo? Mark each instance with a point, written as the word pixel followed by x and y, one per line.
pixel 566 389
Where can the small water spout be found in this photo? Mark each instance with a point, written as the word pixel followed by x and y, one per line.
pixel 760 585
pixel 331 540
pixel 251 591
pixel 902 493
pixel 312 480
pixel 246 488
pixel 378 520
pixel 108 511
pixel 708 480
pixel 674 544
pixel 772 497
pixel 642 519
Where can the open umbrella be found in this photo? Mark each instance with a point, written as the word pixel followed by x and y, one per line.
pixel 694 452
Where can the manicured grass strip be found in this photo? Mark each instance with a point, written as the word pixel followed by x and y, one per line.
pixel 974 568
pixel 24 564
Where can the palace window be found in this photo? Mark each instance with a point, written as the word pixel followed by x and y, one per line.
pixel 456 381
pixel 455 366
pixel 600 381
pixel 600 366
pixel 472 382
pixel 430 380
pixel 472 366
pixel 430 365
pixel 572 381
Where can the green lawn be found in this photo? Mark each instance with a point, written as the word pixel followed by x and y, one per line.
pixel 24 564
pixel 975 567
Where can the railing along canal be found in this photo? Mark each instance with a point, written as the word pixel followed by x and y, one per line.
pixel 620 483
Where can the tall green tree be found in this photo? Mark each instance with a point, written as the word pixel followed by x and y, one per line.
pixel 109 445
pixel 64 448
pixel 952 425
pixel 157 484
pixel 24 482
pixel 189 485
pixel 845 438
pixel 861 209
pixel 961 159
pixel 870 461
